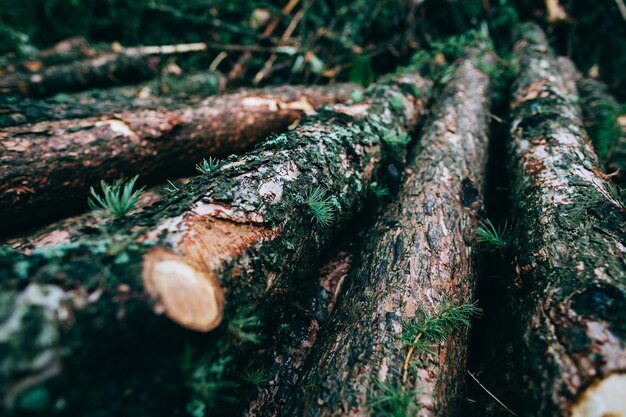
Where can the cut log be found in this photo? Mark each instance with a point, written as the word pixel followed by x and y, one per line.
pixel 168 92
pixel 298 326
pixel 569 239
pixel 101 71
pixel 68 50
pixel 601 114
pixel 231 240
pixel 418 262
pixel 53 164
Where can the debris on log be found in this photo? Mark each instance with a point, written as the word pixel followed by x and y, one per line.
pixel 569 240
pixel 417 268
pixel 53 164
pixel 232 239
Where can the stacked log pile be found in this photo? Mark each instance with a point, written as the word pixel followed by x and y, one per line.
pixel 253 288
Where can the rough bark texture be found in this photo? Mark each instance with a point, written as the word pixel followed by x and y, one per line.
pixel 237 237
pixel 292 340
pixel 68 50
pixel 53 164
pixel 419 255
pixel 169 92
pixel 101 71
pixel 82 225
pixel 569 239
pixel 601 114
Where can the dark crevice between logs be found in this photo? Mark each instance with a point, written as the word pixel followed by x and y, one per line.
pixel 490 345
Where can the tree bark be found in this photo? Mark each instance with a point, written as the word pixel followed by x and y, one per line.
pixel 66 51
pixel 53 164
pixel 283 361
pixel 101 71
pixel 601 113
pixel 234 239
pixel 568 293
pixel 419 259
pixel 170 92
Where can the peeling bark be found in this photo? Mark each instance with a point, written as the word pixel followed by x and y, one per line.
pixel 241 236
pixel 53 164
pixel 419 256
pixel 569 237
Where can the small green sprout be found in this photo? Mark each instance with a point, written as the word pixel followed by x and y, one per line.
pixel 438 326
pixel 205 166
pixel 397 138
pixel 488 234
pixel 246 327
pixel 320 206
pixel 208 381
pixel 257 378
pixel 394 400
pixel 420 335
pixel 117 199
pixel 380 191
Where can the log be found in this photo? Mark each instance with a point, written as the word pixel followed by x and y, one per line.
pixel 101 71
pixel 231 240
pixel 601 113
pixel 418 262
pixel 53 164
pixel 83 225
pixel 170 92
pixel 569 239
pixel 282 363
pixel 63 52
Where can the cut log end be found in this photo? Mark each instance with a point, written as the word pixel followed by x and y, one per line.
pixel 188 295
pixel 605 398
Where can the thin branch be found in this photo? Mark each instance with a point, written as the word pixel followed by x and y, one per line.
pixel 491 395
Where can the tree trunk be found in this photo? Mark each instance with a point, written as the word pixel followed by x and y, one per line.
pixel 418 261
pixel 568 294
pixel 101 71
pixel 53 164
pixel 229 241
pixel 601 113
pixel 66 51
pixel 283 362
pixel 170 92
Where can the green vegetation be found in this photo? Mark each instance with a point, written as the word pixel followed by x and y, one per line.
pixel 492 237
pixel 117 199
pixel 394 400
pixel 256 378
pixel 245 328
pixel 205 166
pixel 397 139
pixel 207 381
pixel 427 329
pixel 380 192
pixel 321 206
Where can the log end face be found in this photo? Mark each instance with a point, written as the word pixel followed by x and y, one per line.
pixel 186 293
pixel 605 398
